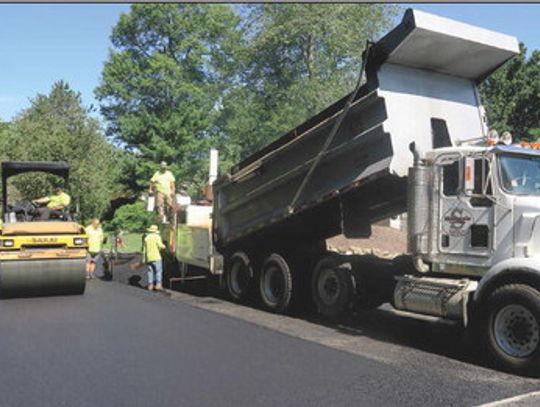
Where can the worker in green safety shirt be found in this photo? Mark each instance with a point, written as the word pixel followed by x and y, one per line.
pixel 152 257
pixel 96 238
pixel 162 184
pixel 55 204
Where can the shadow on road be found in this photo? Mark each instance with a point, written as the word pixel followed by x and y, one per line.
pixel 381 324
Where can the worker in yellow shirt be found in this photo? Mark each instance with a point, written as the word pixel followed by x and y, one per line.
pixel 152 257
pixel 162 185
pixel 96 239
pixel 55 204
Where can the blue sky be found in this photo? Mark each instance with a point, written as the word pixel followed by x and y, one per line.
pixel 40 44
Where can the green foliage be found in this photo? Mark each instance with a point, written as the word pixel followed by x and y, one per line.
pixel 131 218
pixel 160 85
pixel 296 59
pixel 57 127
pixel 535 134
pixel 4 129
pixel 511 96
pixel 182 78
pixel 131 243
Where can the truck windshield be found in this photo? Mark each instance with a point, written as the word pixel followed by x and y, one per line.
pixel 520 174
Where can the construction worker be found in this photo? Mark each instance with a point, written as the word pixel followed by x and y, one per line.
pixel 162 184
pixel 152 257
pixel 56 203
pixel 95 241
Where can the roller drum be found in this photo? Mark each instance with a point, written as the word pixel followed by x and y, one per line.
pixel 42 277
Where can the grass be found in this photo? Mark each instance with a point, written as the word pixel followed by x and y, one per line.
pixel 131 243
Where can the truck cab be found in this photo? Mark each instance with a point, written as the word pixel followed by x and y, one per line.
pixel 483 208
pixel 474 234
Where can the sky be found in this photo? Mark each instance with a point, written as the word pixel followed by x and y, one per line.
pixel 41 44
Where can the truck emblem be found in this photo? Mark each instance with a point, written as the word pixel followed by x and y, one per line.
pixel 455 221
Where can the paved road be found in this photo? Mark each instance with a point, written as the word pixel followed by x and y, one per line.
pixel 122 346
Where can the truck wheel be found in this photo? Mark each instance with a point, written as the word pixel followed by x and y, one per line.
pixel 512 327
pixel 332 286
pixel 239 276
pixel 275 283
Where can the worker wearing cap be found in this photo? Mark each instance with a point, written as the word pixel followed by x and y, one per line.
pixel 95 242
pixel 152 257
pixel 56 203
pixel 163 185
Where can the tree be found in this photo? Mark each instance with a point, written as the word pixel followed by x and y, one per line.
pixel 184 77
pixel 296 59
pixel 511 96
pixel 4 129
pixel 58 127
pixel 161 84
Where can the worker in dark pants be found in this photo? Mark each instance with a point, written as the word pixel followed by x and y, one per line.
pixel 56 203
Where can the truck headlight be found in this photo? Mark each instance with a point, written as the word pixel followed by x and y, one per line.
pixel 507 138
pixel 492 137
pixel 6 243
pixel 79 241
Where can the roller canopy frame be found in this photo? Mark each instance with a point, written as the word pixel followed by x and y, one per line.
pixel 12 168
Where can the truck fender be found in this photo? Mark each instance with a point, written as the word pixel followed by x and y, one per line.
pixel 522 270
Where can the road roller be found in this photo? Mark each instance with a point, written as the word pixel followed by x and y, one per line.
pixel 39 258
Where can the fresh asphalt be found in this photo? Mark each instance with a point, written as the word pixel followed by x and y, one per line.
pixel 118 345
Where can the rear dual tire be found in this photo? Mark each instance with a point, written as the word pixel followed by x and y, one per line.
pixel 239 277
pixel 275 284
pixel 332 286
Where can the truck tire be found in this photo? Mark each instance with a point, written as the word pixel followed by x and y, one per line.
pixel 275 283
pixel 511 327
pixel 332 286
pixel 239 276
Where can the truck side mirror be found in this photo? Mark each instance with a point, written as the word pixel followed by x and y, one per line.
pixel 468 176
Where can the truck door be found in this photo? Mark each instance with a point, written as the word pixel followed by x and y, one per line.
pixel 466 209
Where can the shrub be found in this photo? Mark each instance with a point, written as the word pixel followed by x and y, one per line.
pixel 131 218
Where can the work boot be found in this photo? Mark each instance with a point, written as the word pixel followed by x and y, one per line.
pixel 158 287
pixel 150 287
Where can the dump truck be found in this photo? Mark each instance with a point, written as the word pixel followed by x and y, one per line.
pixel 39 258
pixel 412 139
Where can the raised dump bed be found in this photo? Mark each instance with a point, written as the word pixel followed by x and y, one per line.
pixel 421 87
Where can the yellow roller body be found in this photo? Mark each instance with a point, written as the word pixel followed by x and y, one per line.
pixel 42 258
pixel 25 278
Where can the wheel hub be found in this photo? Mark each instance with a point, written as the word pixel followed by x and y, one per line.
pixel 273 284
pixel 328 286
pixel 517 331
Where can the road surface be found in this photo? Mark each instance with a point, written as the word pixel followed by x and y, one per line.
pixel 122 346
